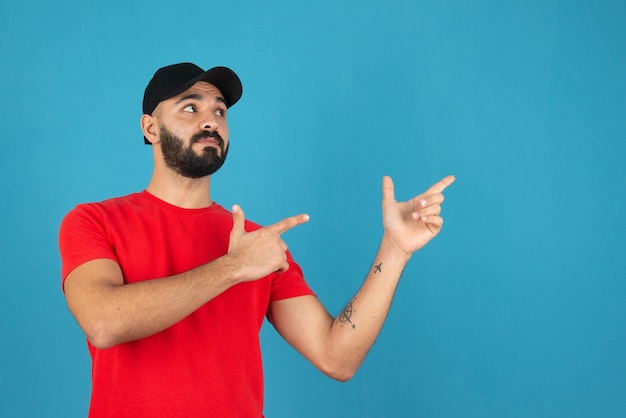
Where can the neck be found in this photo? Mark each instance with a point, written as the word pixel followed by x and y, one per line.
pixel 181 191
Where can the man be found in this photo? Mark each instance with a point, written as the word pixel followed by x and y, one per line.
pixel 171 289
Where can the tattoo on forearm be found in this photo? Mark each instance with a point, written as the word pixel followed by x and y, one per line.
pixel 378 268
pixel 345 316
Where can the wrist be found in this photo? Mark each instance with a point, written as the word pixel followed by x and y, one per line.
pixel 392 250
pixel 227 270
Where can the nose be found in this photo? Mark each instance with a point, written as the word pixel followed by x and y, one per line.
pixel 209 122
pixel 209 126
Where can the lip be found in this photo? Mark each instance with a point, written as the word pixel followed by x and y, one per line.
pixel 208 141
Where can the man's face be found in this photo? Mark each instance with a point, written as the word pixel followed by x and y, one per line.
pixel 193 131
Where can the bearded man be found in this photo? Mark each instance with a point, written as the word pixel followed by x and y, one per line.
pixel 171 289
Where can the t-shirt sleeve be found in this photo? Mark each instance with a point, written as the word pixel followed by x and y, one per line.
pixel 290 283
pixel 82 238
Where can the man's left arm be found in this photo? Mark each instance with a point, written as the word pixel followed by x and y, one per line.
pixel 338 346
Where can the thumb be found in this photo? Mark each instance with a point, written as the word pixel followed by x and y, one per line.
pixel 238 222
pixel 388 190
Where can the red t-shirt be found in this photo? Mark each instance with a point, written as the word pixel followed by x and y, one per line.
pixel 206 365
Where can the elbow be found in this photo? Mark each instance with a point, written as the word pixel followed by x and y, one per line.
pixel 100 343
pixel 340 366
pixel 100 335
pixel 342 376
pixel 341 372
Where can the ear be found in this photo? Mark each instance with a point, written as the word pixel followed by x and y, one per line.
pixel 149 126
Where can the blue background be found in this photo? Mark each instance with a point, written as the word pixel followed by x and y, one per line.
pixel 515 310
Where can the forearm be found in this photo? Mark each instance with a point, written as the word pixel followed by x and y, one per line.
pixel 114 313
pixel 357 326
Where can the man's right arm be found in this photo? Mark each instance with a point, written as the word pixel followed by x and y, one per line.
pixel 111 312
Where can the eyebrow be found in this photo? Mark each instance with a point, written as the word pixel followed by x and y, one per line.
pixel 196 96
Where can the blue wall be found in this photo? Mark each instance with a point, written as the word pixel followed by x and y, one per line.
pixel 516 310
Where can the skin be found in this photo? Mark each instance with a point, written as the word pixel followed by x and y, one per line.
pixel 111 312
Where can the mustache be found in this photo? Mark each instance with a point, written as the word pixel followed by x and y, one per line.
pixel 208 134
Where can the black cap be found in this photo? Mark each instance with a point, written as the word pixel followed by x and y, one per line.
pixel 174 79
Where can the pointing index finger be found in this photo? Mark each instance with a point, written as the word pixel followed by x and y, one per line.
pixel 441 185
pixel 288 223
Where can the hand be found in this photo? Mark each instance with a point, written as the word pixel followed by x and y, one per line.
pixel 412 224
pixel 261 252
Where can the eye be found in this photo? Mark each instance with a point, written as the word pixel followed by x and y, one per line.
pixel 189 108
pixel 221 112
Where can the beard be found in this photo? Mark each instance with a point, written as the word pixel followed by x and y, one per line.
pixel 185 161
